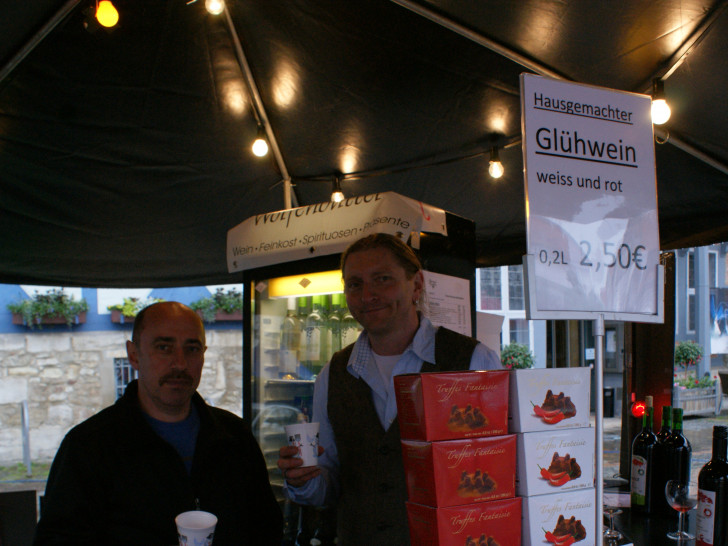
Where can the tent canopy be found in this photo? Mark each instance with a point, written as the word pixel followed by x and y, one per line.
pixel 125 154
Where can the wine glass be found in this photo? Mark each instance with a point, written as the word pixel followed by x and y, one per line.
pixel 612 533
pixel 682 498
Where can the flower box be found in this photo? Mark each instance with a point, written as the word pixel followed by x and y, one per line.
pixel 700 401
pixel 119 318
pixel 221 316
pixel 79 319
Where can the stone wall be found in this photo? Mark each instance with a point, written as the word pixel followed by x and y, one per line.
pixel 67 377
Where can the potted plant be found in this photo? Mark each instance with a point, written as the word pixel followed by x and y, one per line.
pixel 516 356
pixel 222 305
pixel 124 313
pixel 53 307
pixel 687 354
pixel 694 395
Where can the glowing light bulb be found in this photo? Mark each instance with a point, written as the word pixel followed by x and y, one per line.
pixel 337 196
pixel 495 169
pixel 215 7
pixel 660 111
pixel 260 147
pixel 106 14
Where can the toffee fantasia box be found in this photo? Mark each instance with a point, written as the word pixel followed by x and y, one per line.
pixel 561 518
pixel 494 523
pixel 549 399
pixel 455 472
pixel 449 405
pixel 554 460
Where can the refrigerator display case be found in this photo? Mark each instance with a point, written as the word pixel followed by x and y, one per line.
pixel 297 320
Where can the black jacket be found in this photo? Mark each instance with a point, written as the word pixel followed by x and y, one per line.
pixel 115 481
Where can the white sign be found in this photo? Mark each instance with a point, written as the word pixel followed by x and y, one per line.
pixel 591 200
pixel 326 228
pixel 448 302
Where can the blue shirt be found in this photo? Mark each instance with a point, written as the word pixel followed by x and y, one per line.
pixel 182 435
pixel 324 489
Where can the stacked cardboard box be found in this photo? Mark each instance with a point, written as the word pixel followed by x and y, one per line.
pixel 459 459
pixel 549 412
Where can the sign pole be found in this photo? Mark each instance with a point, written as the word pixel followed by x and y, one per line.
pixel 599 420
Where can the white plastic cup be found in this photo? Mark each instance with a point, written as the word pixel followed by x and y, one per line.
pixel 305 436
pixel 195 528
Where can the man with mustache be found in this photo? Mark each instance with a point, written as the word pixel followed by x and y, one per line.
pixel 123 475
pixel 360 469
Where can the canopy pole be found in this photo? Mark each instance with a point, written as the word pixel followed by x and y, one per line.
pixel 37 38
pixel 669 138
pixel 480 39
pixel 598 326
pixel 260 112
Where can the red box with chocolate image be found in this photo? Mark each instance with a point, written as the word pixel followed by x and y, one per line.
pixel 456 472
pixel 449 405
pixel 494 523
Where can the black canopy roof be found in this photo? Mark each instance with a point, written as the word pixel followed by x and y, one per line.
pixel 125 158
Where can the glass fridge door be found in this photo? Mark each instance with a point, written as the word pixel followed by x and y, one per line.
pixel 295 331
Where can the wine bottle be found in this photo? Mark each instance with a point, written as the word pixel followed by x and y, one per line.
pixel 642 464
pixel 659 460
pixel 678 452
pixel 290 342
pixel 666 427
pixel 315 338
pixel 712 517
pixel 334 320
pixel 350 328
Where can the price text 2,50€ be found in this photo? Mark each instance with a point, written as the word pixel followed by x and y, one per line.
pixel 613 255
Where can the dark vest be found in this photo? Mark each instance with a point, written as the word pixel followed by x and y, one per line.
pixel 371 508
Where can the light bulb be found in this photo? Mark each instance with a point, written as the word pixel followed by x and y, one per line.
pixel 260 147
pixel 337 196
pixel 106 14
pixel 215 7
pixel 660 111
pixel 495 169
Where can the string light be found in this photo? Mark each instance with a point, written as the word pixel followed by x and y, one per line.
pixel 215 7
pixel 337 196
pixel 260 146
pixel 106 14
pixel 495 167
pixel 660 109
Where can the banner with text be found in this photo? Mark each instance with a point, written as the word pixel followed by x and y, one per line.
pixel 326 228
pixel 591 198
